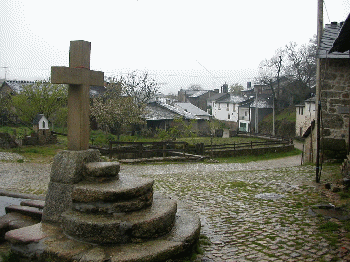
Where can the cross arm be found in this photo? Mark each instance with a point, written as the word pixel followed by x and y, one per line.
pixel 76 76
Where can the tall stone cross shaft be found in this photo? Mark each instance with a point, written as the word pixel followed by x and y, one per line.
pixel 79 77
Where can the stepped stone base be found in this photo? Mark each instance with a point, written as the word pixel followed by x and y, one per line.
pixel 128 193
pixel 94 214
pixel 47 242
pixel 148 223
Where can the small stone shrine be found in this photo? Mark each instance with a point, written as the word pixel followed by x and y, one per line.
pixel 93 213
pixel 42 134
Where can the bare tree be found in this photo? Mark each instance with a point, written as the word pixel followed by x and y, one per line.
pixel 290 73
pixel 140 86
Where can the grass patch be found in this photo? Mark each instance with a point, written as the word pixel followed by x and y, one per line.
pixel 219 140
pixel 9 257
pixel 344 195
pixel 246 159
pixel 298 205
pixel 237 184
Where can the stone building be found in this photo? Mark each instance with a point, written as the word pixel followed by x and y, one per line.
pixel 333 93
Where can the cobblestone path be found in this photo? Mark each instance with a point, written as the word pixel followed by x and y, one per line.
pixel 248 215
pixel 249 212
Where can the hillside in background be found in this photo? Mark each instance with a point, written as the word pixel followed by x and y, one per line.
pixel 284 123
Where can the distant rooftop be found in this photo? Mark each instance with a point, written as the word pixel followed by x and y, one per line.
pixel 188 107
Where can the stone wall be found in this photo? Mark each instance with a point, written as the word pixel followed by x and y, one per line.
pixel 335 102
pixel 6 141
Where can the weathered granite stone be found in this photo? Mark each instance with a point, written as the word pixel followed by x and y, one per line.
pixel 58 200
pixel 55 246
pixel 129 205
pixel 26 235
pixel 126 188
pixel 14 220
pixel 33 203
pixel 101 171
pixel 121 228
pixel 25 210
pixel 68 166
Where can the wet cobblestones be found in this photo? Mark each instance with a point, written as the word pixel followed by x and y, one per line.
pixel 249 212
pixel 242 226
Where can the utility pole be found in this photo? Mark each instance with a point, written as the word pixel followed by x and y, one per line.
pixel 318 89
pixel 279 65
pixel 256 111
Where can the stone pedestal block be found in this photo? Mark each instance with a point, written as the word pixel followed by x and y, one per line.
pixel 67 170
pixel 68 166
pixel 58 200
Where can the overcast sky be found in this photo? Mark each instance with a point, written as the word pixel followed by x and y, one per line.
pixel 182 42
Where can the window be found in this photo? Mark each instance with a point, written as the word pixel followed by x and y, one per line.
pixel 43 124
pixel 301 110
pixel 246 113
pixel 228 116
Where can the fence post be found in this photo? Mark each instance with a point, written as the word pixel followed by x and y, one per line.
pixel 164 148
pixel 141 150
pixel 251 144
pixel 110 150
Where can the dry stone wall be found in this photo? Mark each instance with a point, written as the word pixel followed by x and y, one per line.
pixel 335 102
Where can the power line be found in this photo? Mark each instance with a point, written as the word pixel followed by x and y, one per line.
pixel 325 7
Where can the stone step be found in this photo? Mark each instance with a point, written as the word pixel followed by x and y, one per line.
pixel 128 193
pixel 101 171
pixel 130 205
pixel 15 220
pixel 33 203
pixel 46 241
pixel 122 228
pixel 25 210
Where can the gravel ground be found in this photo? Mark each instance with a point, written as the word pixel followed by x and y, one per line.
pixel 256 211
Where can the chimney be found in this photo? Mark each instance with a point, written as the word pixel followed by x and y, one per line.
pixel 334 24
pixel 249 85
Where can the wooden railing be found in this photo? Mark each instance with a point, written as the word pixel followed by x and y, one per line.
pixel 140 149
pixel 248 145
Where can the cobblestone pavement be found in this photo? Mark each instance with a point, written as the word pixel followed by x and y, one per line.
pixel 249 212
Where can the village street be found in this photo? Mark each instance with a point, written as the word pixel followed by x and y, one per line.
pixel 257 211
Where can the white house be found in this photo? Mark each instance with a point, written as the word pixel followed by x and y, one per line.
pixel 227 108
pixel 305 114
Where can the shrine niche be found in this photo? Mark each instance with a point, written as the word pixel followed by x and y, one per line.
pixel 41 134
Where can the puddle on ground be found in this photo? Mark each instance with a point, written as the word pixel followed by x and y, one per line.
pixel 269 196
pixel 8 201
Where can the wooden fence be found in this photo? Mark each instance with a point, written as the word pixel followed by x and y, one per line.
pixel 153 149
pixel 212 150
pixel 147 149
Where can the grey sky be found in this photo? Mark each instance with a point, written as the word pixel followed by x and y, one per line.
pixel 206 42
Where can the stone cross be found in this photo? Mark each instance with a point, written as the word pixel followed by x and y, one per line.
pixel 79 77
